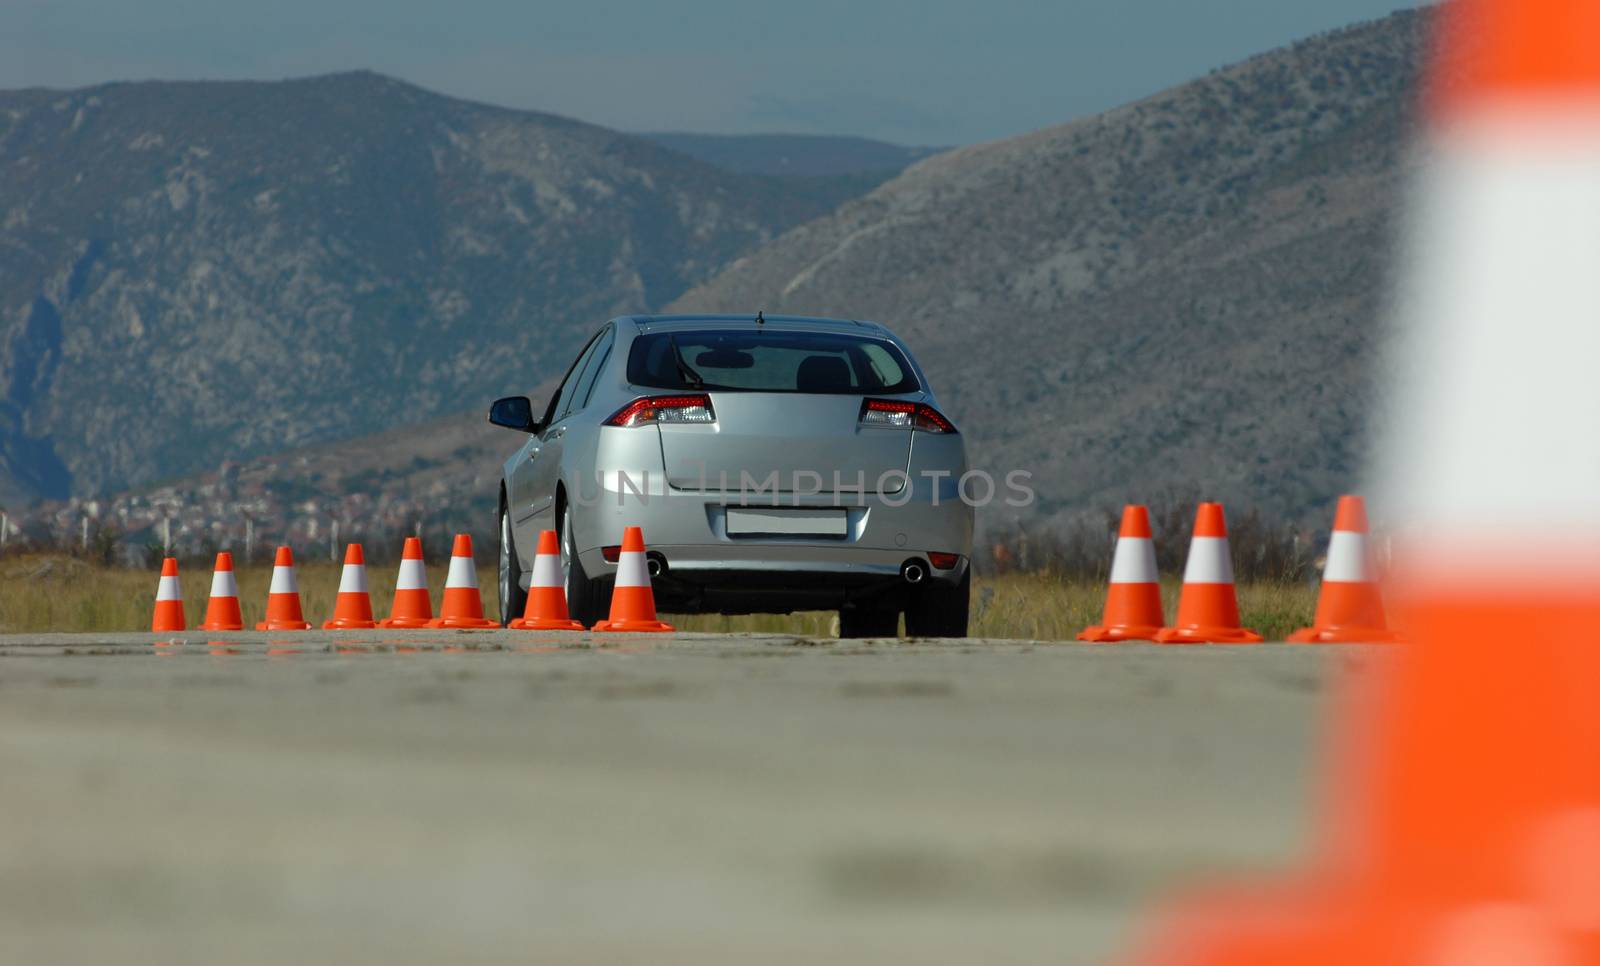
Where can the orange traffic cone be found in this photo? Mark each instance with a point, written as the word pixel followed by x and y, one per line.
pixel 169 599
pixel 462 605
pixel 633 605
pixel 1349 609
pixel 411 608
pixel 222 610
pixel 1208 610
pixel 352 609
pixel 1462 814
pixel 283 598
pixel 547 597
pixel 1133 602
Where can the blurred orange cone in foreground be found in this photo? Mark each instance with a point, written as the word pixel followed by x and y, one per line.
pixel 633 604
pixel 222 609
pixel 463 604
pixel 283 598
pixel 1133 602
pixel 1462 824
pixel 1208 609
pixel 411 607
pixel 1349 608
pixel 169 599
pixel 352 609
pixel 547 593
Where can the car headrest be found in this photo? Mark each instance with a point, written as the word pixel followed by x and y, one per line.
pixel 822 374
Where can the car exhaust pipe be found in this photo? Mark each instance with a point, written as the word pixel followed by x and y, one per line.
pixel 655 563
pixel 913 571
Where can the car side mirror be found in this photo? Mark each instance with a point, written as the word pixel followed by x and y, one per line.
pixel 514 412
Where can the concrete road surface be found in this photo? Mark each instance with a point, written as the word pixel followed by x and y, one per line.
pixel 489 797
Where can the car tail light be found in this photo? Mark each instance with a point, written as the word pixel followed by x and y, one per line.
pixel 904 415
pixel 612 554
pixel 943 561
pixel 664 409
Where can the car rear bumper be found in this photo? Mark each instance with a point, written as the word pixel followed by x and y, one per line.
pixel 707 568
pixel 767 590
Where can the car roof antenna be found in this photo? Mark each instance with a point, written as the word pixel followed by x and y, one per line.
pixel 760 319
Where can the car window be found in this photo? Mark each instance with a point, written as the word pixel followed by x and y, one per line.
pixel 764 360
pixel 557 409
pixel 584 387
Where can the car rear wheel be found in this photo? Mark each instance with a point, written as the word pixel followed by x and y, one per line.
pixel 513 599
pixel 938 610
pixel 588 598
pixel 869 621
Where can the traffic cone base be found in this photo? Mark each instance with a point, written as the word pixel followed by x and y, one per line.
pixel 547 595
pixel 633 603
pixel 462 606
pixel 283 625
pixel 635 627
pixel 476 623
pixel 347 624
pixel 222 609
pixel 1118 634
pixel 545 624
pixel 1207 635
pixel 405 623
pixel 1343 635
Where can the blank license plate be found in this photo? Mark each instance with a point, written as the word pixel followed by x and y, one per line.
pixel 747 522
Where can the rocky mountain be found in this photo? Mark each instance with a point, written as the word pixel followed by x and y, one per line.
pixel 1182 292
pixel 1179 296
pixel 795 155
pixel 198 271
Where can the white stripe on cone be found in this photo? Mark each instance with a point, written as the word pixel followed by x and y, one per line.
pixel 1209 562
pixel 353 580
pixel 1500 348
pixel 284 581
pixel 168 589
pixel 1134 561
pixel 546 571
pixel 223 584
pixel 631 570
pixel 412 576
pixel 462 573
pixel 1347 559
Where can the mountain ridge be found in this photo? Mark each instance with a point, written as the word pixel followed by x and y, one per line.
pixel 258 265
pixel 1180 295
pixel 1183 292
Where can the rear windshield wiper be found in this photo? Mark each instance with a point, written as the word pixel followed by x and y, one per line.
pixel 691 378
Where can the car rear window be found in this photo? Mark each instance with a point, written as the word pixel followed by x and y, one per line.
pixel 764 360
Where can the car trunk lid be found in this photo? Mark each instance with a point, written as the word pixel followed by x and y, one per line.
pixel 785 442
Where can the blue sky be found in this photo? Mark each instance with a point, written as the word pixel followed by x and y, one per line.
pixel 914 71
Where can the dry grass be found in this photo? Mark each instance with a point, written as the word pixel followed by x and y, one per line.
pixel 50 593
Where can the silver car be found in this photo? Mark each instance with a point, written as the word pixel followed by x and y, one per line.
pixel 774 464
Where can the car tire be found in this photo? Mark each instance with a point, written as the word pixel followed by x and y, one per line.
pixel 588 598
pixel 937 609
pixel 869 621
pixel 513 599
